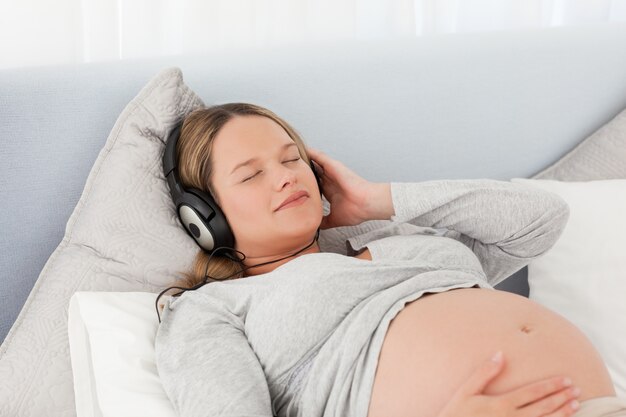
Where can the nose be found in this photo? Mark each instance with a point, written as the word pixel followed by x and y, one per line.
pixel 286 175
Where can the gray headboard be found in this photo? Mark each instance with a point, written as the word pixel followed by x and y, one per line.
pixel 484 105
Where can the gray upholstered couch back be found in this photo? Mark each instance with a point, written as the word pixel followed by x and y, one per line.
pixel 493 105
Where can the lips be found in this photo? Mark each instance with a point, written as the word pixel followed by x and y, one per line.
pixel 292 197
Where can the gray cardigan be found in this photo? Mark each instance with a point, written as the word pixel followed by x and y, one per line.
pixel 303 340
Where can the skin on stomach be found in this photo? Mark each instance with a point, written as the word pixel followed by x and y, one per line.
pixel 435 343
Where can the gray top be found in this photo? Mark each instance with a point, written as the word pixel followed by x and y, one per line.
pixel 303 340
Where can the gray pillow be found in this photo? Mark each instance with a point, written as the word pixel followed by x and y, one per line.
pixel 602 156
pixel 122 236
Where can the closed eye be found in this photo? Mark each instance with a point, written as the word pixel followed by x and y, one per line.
pixel 249 178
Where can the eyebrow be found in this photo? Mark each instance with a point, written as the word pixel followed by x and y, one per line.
pixel 249 161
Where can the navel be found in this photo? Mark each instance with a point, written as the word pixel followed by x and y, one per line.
pixel 525 328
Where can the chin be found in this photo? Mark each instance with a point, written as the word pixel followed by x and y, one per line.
pixel 302 226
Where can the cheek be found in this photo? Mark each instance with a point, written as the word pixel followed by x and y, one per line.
pixel 313 186
pixel 245 207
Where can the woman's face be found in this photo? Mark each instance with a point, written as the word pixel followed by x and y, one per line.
pixel 249 194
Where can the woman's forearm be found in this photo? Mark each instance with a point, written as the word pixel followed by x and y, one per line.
pixel 380 204
pixel 505 224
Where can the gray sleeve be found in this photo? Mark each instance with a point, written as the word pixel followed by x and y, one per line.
pixel 205 362
pixel 505 224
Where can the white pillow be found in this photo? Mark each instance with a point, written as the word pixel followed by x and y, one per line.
pixel 583 276
pixel 111 339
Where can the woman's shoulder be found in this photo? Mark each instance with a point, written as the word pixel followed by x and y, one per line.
pixel 334 239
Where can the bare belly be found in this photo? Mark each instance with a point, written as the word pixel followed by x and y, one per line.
pixel 438 340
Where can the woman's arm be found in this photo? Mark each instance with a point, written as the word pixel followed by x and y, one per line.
pixel 205 362
pixel 380 201
pixel 505 224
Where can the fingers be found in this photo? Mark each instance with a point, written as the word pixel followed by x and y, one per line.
pixel 315 154
pixel 318 158
pixel 313 150
pixel 483 375
pixel 538 390
pixel 551 397
pixel 564 411
pixel 560 404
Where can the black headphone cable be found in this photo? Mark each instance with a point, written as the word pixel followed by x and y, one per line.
pixel 230 256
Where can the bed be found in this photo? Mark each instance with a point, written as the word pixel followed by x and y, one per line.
pixel 81 164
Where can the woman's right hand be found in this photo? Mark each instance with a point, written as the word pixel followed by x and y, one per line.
pixel 550 397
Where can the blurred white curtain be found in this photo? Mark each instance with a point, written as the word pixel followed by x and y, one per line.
pixel 44 32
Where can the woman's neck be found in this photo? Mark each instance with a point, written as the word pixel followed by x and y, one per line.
pixel 264 269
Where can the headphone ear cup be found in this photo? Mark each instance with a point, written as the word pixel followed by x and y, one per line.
pixel 204 220
pixel 196 227
pixel 199 214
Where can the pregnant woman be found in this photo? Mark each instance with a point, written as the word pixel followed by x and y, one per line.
pixel 398 320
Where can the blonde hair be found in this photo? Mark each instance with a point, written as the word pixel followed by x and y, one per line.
pixel 194 153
